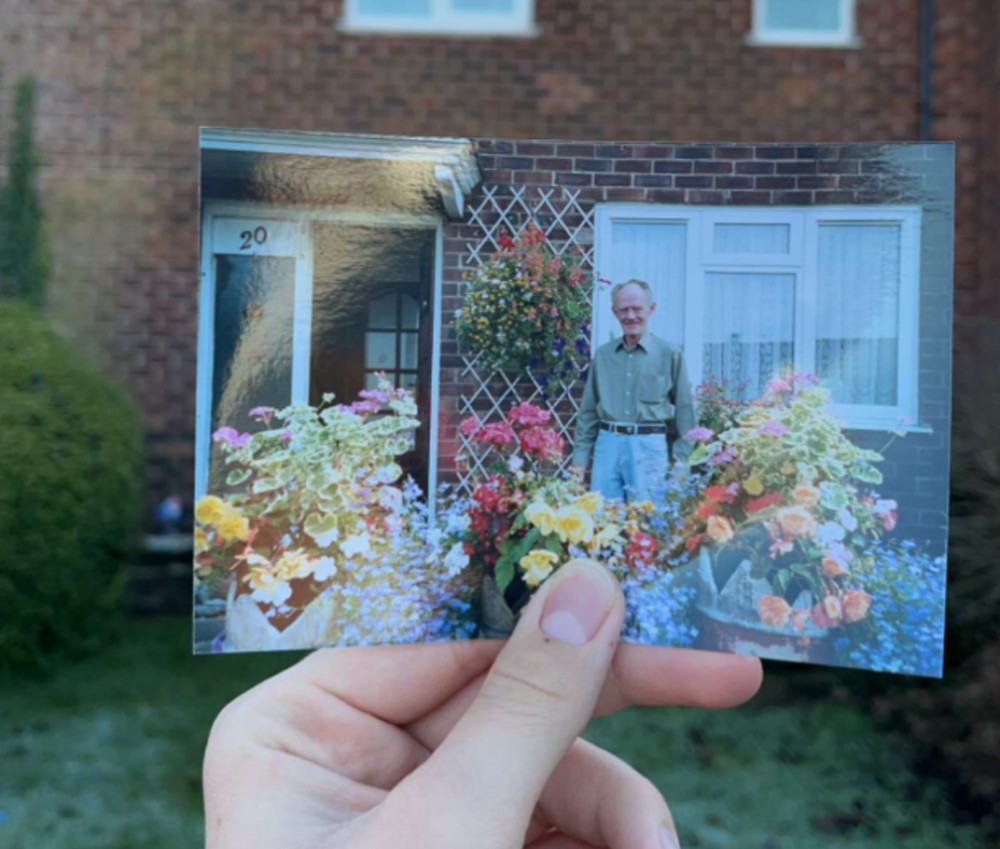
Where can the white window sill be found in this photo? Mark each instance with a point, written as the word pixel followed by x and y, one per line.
pixel 884 427
pixel 444 29
pixel 802 40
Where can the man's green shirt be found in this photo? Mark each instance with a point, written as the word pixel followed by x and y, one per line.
pixel 647 385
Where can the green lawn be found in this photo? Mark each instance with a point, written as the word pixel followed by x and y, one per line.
pixel 108 754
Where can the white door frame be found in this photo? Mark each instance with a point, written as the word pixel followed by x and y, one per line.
pixel 302 333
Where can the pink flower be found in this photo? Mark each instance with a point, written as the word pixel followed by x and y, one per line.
pixel 773 428
pixel 374 395
pixel 856 605
pixel 287 436
pixel 777 385
pixel 528 415
pixel 726 455
pixel 263 414
pixel 541 442
pixel 231 436
pixel 699 434
pixel 497 433
pixel 800 618
pixel 470 427
pixel 805 377
pixel 781 546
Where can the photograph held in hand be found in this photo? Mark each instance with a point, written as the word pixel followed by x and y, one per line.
pixel 432 371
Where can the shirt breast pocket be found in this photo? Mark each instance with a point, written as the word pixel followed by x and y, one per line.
pixel 652 388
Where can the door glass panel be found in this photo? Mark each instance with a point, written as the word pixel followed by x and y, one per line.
pixel 408 350
pixel 751 238
pixel 409 312
pixel 382 312
pixel 821 15
pixel 380 350
pixel 252 356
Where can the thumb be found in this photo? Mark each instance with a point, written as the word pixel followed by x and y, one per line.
pixel 536 699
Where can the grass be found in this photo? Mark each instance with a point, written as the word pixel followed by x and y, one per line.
pixel 108 754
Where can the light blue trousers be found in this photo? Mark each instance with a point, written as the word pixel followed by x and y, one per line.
pixel 629 467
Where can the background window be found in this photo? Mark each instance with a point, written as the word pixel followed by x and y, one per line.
pixel 465 17
pixel 805 22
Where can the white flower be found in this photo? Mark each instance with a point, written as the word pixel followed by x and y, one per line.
pixel 359 544
pixel 269 590
pixel 515 463
pixel 456 560
pixel 847 519
pixel 391 499
pixel 837 551
pixel 458 523
pixel 829 532
pixel 323 568
pixel 434 537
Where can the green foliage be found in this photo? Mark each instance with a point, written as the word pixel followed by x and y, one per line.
pixel 25 256
pixel 70 478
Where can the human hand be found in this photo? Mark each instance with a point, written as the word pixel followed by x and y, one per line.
pixel 456 744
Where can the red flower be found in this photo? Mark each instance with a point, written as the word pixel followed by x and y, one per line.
pixel 528 415
pixel 720 494
pixel 708 508
pixel 889 520
pixel 755 505
pixel 641 548
pixel 693 542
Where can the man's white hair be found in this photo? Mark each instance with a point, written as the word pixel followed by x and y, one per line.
pixel 642 284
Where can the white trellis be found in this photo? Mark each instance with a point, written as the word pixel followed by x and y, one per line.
pixel 490 393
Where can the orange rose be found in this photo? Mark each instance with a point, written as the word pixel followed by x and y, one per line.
pixel 805 495
pixel 719 529
pixel 800 618
pixel 856 605
pixel 773 610
pixel 795 521
pixel 832 568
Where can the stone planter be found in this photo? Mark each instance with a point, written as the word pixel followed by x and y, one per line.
pixel 248 629
pixel 496 619
pixel 728 619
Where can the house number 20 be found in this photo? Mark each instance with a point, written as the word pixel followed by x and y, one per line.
pixel 250 237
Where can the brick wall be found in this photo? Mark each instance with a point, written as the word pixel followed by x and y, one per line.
pixel 916 467
pixel 125 84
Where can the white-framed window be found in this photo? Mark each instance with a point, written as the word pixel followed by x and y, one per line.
pixel 749 293
pixel 808 23
pixel 440 17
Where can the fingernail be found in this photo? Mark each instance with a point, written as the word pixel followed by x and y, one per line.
pixel 667 839
pixel 579 603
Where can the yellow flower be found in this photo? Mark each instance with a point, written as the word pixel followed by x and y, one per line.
pixel 605 536
pixel 591 502
pixel 646 506
pixel 541 516
pixel 753 485
pixel 201 542
pixel 719 529
pixel 788 468
pixel 574 524
pixel 233 526
pixel 293 564
pixel 210 509
pixel 537 566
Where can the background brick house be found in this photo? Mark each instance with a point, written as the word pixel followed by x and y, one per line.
pixel 124 86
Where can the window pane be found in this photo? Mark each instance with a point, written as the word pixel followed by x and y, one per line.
pixel 493 7
pixel 857 337
pixel 408 380
pixel 380 350
pixel 410 319
pixel 654 251
pixel 749 329
pixel 412 8
pixel 372 379
pixel 382 312
pixel 408 350
pixel 752 238
pixel 812 15
pixel 252 357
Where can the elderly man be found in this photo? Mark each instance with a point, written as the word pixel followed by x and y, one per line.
pixel 637 394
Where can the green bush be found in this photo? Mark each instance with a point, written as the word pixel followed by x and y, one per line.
pixel 70 483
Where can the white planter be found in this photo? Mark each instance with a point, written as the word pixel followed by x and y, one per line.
pixel 248 629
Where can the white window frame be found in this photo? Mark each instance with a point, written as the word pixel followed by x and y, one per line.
pixel 443 20
pixel 845 36
pixel 802 263
pixel 302 332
